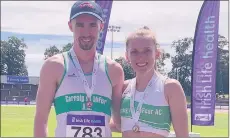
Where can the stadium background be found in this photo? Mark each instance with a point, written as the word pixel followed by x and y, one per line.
pixel 14 89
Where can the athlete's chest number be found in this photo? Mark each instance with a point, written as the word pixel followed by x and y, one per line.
pixel 87 131
pixel 85 126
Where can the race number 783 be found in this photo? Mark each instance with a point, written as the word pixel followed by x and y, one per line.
pixel 87 131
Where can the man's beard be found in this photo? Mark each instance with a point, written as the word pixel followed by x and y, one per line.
pixel 84 45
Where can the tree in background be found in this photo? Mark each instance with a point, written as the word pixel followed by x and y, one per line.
pixel 128 70
pixel 222 76
pixel 161 62
pixel 182 64
pixel 13 57
pixel 67 47
pixel 53 50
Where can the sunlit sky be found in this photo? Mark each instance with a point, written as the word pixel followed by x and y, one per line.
pixel 170 20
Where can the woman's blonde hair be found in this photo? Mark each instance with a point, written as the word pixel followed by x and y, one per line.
pixel 147 33
pixel 142 32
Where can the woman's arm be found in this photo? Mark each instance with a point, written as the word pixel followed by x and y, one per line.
pixel 178 107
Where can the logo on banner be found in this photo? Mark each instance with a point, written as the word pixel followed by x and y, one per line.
pixel 203 117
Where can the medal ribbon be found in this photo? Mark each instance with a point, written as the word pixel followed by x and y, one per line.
pixel 77 65
pixel 136 115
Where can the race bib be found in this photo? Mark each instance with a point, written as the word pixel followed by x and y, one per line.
pixel 85 126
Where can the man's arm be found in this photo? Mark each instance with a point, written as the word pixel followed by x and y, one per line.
pixel 178 107
pixel 50 72
pixel 116 75
pixel 113 126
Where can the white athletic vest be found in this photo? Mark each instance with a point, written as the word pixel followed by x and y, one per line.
pixel 155 114
pixel 70 99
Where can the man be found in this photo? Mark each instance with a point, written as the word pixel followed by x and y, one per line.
pixel 82 84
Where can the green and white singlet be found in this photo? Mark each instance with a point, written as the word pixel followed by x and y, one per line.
pixel 155 113
pixel 74 118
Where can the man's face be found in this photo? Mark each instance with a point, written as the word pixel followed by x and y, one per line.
pixel 86 29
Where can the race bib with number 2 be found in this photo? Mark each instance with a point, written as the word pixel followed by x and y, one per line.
pixel 85 126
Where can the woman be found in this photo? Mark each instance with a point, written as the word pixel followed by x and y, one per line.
pixel 151 102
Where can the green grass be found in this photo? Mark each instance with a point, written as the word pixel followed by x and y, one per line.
pixel 18 122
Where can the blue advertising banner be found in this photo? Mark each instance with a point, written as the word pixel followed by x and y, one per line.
pixel 17 79
pixel 106 7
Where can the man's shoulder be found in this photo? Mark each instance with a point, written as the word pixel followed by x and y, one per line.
pixel 54 63
pixel 115 71
pixel 113 65
pixel 55 59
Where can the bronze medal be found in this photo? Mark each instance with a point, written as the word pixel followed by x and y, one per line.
pixel 136 128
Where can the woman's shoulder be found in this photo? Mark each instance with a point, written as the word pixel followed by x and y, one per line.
pixel 171 82
pixel 167 81
pixel 173 87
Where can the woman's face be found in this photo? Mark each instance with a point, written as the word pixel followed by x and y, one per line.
pixel 141 52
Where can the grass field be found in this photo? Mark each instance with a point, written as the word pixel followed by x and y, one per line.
pixel 17 121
